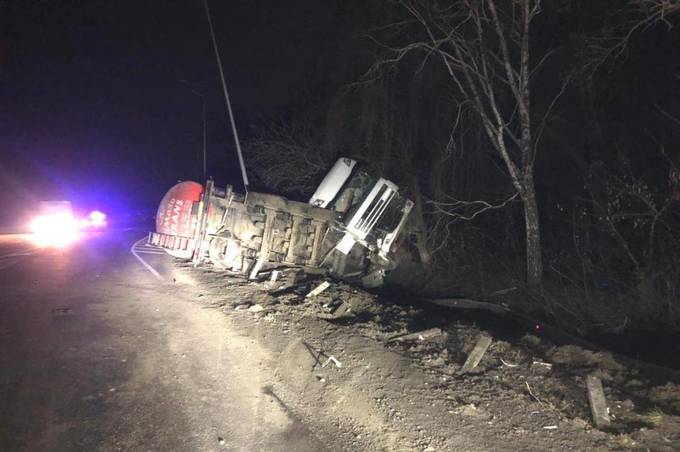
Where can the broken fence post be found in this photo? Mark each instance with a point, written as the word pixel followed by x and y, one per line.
pixel 598 402
pixel 476 354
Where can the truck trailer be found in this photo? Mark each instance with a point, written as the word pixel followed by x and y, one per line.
pixel 348 227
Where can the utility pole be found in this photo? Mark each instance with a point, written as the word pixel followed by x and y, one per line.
pixel 226 97
pixel 205 127
pixel 205 142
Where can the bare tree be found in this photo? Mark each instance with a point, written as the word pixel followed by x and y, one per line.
pixel 612 40
pixel 485 48
pixel 657 10
pixel 288 157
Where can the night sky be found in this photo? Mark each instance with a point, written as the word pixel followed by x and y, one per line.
pixel 92 107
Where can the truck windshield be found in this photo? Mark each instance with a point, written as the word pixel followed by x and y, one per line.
pixel 392 216
pixel 353 193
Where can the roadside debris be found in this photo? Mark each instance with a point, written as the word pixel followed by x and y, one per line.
pixel 320 288
pixel 289 280
pixel 530 384
pixel 505 363
pixel 419 336
pixel 541 363
pixel 258 266
pixel 466 303
pixel 470 410
pixel 534 396
pixel 541 368
pixel 294 276
pixel 598 402
pixel 338 309
pixel 477 353
pixel 334 360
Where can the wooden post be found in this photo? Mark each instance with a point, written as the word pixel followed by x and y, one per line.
pixel 477 353
pixel 598 402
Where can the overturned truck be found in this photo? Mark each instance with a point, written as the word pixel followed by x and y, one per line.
pixel 348 228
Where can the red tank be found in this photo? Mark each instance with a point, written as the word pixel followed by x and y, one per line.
pixel 178 214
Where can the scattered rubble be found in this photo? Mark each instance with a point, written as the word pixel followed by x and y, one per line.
pixel 334 360
pixel 398 368
pixel 466 303
pixel 336 310
pixel 320 288
pixel 540 368
pixel 667 395
pixel 420 335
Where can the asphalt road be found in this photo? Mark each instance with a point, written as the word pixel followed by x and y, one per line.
pixel 101 352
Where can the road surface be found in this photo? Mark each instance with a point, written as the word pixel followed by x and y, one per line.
pixel 99 351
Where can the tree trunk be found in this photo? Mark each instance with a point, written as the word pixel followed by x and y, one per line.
pixel 419 226
pixel 420 231
pixel 533 234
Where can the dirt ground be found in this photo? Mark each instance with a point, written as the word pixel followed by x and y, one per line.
pixel 347 360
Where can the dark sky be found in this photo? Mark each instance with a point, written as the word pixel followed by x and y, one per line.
pixel 91 103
